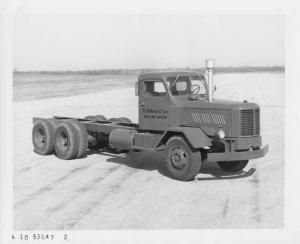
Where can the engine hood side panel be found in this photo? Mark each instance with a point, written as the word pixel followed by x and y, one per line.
pixel 216 104
pixel 210 117
pixel 209 120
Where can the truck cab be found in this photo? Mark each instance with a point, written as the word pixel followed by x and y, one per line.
pixel 160 92
pixel 181 103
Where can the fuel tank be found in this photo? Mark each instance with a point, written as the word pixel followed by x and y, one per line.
pixel 121 138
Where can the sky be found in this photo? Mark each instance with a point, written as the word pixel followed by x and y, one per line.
pixel 91 41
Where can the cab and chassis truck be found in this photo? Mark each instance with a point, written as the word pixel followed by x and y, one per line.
pixel 177 115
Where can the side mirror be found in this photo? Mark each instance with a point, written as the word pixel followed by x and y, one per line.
pixel 136 88
pixel 215 88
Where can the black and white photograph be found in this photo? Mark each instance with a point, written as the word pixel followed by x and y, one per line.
pixel 147 122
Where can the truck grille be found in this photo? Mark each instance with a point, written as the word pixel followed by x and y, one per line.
pixel 250 122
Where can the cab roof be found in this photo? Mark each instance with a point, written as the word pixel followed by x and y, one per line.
pixel 164 74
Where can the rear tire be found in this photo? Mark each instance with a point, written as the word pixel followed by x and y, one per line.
pixel 182 161
pixel 101 117
pixel 54 123
pixel 43 137
pixel 233 166
pixel 124 120
pixel 96 117
pixel 66 141
pixel 90 117
pixel 82 138
pixel 113 120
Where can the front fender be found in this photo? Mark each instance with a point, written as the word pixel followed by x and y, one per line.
pixel 194 135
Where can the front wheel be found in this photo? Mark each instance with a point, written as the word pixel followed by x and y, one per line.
pixel 233 166
pixel 182 161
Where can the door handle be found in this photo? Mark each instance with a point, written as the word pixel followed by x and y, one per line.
pixel 143 104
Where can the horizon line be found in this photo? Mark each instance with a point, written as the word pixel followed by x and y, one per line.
pixel 219 68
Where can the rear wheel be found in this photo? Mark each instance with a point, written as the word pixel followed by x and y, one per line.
pixel 124 120
pixel 101 117
pixel 182 161
pixel 233 166
pixel 82 138
pixel 113 120
pixel 53 122
pixel 90 117
pixel 43 137
pixel 96 117
pixel 66 141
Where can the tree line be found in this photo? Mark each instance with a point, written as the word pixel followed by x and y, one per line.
pixel 137 71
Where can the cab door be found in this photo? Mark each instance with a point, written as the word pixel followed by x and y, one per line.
pixel 153 105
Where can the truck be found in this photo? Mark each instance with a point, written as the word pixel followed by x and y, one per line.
pixel 177 115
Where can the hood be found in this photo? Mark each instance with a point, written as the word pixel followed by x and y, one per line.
pixel 217 104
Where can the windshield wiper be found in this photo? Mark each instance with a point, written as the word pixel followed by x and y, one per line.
pixel 174 82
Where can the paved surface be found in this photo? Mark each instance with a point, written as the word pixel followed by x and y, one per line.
pixel 106 191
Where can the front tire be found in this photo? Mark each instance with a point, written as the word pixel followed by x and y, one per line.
pixel 182 161
pixel 233 166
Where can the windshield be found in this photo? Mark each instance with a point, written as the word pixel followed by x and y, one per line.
pixel 187 85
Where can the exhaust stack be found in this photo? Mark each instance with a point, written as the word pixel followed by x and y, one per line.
pixel 210 64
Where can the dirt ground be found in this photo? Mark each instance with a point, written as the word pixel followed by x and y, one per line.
pixel 106 191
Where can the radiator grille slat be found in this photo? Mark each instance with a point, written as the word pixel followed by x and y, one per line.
pixel 250 122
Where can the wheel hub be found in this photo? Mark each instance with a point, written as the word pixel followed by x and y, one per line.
pixel 178 158
pixel 63 139
pixel 40 137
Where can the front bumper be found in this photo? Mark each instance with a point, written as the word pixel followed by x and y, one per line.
pixel 234 156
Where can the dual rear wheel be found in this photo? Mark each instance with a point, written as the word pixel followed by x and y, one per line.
pixel 67 139
pixel 96 117
pixel 103 118
pixel 71 140
pixel 43 137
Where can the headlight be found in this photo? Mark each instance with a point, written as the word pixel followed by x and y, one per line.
pixel 220 133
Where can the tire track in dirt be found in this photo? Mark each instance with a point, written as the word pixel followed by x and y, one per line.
pixel 34 165
pixel 51 186
pixel 81 190
pixel 111 189
pixel 225 209
pixel 256 206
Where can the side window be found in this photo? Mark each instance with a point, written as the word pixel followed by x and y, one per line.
pixel 154 88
